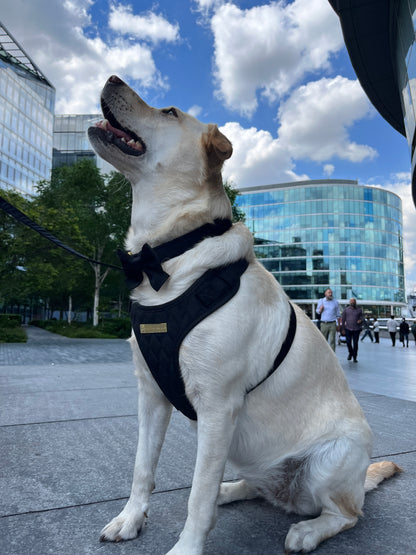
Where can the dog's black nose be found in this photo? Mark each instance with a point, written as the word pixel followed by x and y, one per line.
pixel 114 80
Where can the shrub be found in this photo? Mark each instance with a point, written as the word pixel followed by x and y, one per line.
pixel 12 335
pixel 118 327
pixel 37 323
pixel 90 332
pixel 113 328
pixel 10 321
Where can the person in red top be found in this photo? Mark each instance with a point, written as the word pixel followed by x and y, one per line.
pixel 352 319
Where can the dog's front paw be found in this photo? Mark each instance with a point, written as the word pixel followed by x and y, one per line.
pixel 125 526
pixel 188 544
pixel 180 550
pixel 301 537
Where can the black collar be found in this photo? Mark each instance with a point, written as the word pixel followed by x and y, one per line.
pixel 149 260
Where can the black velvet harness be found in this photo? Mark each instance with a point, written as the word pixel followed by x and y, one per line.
pixel 160 329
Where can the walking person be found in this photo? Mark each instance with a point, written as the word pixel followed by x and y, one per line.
pixel 376 329
pixel 404 332
pixel 352 319
pixel 413 328
pixel 318 321
pixel 367 331
pixel 391 328
pixel 328 308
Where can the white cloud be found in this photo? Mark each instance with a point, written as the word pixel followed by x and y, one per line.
pixel 79 92
pixel 150 26
pixel 195 111
pixel 204 6
pixel 79 8
pixel 270 48
pixel 329 169
pixel 313 125
pixel 315 118
pixel 208 4
pixel 61 40
pixel 258 158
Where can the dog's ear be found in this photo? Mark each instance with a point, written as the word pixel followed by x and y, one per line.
pixel 217 146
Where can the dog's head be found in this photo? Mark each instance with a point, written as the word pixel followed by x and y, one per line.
pixel 140 140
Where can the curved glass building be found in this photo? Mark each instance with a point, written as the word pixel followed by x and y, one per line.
pixel 337 233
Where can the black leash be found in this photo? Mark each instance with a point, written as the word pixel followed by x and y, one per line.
pixel 21 217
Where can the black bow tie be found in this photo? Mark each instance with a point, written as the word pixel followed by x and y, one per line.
pixel 149 260
pixel 145 261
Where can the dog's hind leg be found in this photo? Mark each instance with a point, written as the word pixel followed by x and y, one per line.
pixel 236 491
pixel 154 415
pixel 332 484
pixel 307 534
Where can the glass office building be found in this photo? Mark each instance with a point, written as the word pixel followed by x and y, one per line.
pixel 380 38
pixel 70 140
pixel 337 233
pixel 27 102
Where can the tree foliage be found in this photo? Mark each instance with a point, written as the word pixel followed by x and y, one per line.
pixel 232 193
pixel 85 210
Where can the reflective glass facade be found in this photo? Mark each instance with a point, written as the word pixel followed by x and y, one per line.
pixel 315 234
pixel 405 58
pixel 70 140
pixel 26 123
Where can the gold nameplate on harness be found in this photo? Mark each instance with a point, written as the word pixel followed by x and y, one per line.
pixel 154 328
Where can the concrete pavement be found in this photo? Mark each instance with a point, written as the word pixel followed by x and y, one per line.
pixel 67 444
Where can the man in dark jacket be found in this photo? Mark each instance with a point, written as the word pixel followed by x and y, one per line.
pixel 404 332
pixel 352 319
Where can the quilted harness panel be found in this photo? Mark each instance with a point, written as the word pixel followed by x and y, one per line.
pixel 160 329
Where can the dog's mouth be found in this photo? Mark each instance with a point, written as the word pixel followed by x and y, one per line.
pixel 112 132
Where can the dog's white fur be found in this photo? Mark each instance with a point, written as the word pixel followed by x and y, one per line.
pixel 300 439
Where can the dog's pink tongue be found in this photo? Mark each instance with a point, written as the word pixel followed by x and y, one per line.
pixel 105 124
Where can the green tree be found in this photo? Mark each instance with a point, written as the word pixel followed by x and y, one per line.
pixel 32 270
pixel 63 277
pixel 101 208
pixel 232 193
pixel 12 260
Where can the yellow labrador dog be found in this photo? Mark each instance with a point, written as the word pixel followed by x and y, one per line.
pixel 298 436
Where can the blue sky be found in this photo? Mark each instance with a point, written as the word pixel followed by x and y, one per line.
pixel 275 76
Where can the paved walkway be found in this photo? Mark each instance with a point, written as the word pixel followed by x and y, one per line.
pixel 67 445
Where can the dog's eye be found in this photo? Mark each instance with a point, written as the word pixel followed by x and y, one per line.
pixel 170 112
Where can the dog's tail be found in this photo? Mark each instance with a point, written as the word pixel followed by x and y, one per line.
pixel 377 472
